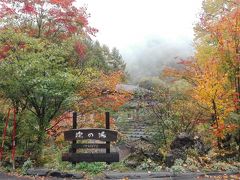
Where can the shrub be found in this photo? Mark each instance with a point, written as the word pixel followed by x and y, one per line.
pixel 26 165
pixel 178 166
pixel 222 166
pixel 192 164
pixel 119 166
pixel 149 165
pixel 92 168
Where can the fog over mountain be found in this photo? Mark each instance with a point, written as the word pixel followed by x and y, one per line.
pixel 148 33
pixel 148 58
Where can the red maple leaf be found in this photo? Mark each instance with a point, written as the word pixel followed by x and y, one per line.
pixel 63 3
pixel 80 49
pixel 28 8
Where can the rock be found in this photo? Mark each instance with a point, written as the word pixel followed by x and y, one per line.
pixel 142 149
pixel 169 160
pixel 67 175
pixel 77 176
pixel 182 141
pixel 59 174
pixel 38 172
pixel 179 146
pixel 132 163
pixel 200 147
pixel 173 155
pixel 154 156
pixel 140 146
pixel 134 160
pixel 123 150
pixel 56 174
pixel 146 148
pixel 19 161
pixel 138 175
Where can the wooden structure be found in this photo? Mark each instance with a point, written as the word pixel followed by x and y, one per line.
pixel 105 135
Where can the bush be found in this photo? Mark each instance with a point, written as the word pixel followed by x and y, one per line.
pixel 149 165
pixel 222 166
pixel 92 168
pixel 26 165
pixel 192 164
pixel 119 166
pixel 178 166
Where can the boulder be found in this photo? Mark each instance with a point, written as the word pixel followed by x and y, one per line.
pixel 19 161
pixel 142 145
pixel 140 150
pixel 182 141
pixel 57 174
pixel 52 173
pixel 179 146
pixel 134 160
pixel 77 176
pixel 154 156
pixel 38 172
pixel 200 147
pixel 173 155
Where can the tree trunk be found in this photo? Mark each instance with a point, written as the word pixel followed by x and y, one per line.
pixel 39 143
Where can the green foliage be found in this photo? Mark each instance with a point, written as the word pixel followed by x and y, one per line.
pixel 178 166
pixel 42 73
pixel 222 166
pixel 150 83
pixel 41 81
pixel 167 115
pixel 148 165
pixel 118 166
pixel 100 57
pixel 192 164
pixel 26 165
pixel 52 157
pixel 192 152
pixel 92 168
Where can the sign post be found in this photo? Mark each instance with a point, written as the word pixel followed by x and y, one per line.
pixel 101 134
pixel 73 148
pixel 107 116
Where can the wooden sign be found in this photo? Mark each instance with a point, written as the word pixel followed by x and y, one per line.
pixel 91 157
pixel 93 133
pixel 89 146
pixel 101 134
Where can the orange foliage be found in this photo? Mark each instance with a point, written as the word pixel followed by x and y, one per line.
pixel 101 94
pixel 59 124
pixel 224 35
pixel 98 97
pixel 214 72
pixel 210 88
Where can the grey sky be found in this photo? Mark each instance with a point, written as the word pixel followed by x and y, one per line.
pixel 145 31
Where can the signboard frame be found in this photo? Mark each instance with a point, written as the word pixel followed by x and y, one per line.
pixel 101 134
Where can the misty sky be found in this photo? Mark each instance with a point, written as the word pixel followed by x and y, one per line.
pixel 148 33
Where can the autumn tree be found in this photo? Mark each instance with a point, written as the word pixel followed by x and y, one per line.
pixel 42 49
pixel 219 30
pixel 166 111
pixel 210 89
pixel 213 72
pixel 99 96
pixel 52 19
